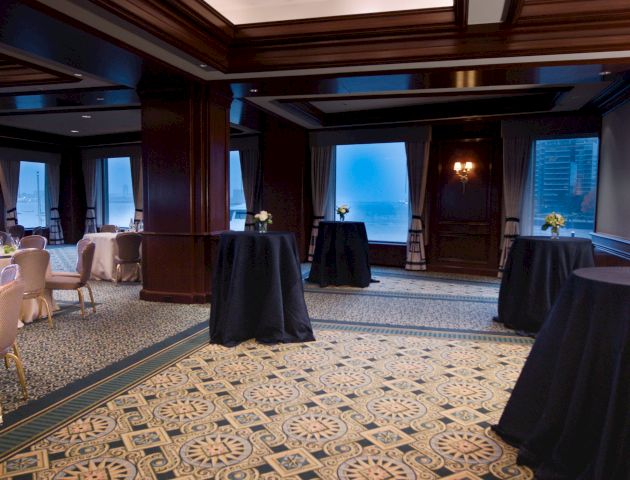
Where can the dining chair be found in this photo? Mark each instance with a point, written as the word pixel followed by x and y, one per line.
pixel 10 303
pixel 109 229
pixel 128 244
pixel 33 264
pixel 5 237
pixel 33 241
pixel 76 281
pixel 16 231
pixel 8 274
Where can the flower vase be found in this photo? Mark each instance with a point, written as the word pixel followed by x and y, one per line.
pixel 342 217
pixel 262 227
pixel 555 233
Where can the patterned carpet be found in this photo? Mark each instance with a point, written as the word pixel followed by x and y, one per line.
pixel 377 396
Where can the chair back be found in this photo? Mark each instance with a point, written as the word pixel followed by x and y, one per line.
pixel 33 264
pixel 109 229
pixel 129 246
pixel 81 244
pixel 5 237
pixel 8 274
pixel 10 303
pixel 87 257
pixel 16 231
pixel 33 241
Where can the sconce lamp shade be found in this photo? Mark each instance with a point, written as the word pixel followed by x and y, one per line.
pixel 469 166
pixel 458 166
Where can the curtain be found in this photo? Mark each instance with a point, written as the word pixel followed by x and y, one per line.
pixel 9 181
pixel 516 158
pixel 90 171
pixel 136 182
pixel 251 171
pixel 322 164
pixel 417 168
pixel 54 179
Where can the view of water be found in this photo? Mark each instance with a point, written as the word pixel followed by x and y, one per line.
pixel 384 221
pixel 121 211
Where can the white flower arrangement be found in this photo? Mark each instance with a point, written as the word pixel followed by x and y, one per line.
pixel 555 221
pixel 263 217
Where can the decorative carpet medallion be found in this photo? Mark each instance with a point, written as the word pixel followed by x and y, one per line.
pixel 464 391
pixel 271 394
pixel 180 410
pixel 466 448
pixel 346 379
pixel 374 468
pixel 84 429
pixel 215 451
pixel 409 368
pixel 396 408
pixel 99 469
pixel 316 428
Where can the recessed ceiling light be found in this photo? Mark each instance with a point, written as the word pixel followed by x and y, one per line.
pixel 100 99
pixel 203 65
pixel 253 90
pixel 607 72
pixel 78 75
pixel 74 131
pixel 86 116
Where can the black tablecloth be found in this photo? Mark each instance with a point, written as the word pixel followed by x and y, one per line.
pixel 536 270
pixel 570 409
pixel 341 255
pixel 257 290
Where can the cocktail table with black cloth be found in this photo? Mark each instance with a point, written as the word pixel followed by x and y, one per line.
pixel 341 255
pixel 570 409
pixel 257 290
pixel 536 270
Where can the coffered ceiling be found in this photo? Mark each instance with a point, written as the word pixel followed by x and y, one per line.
pixel 318 63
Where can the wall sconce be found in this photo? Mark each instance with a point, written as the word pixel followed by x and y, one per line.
pixel 462 172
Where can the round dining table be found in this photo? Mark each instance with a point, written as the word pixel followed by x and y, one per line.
pixel 103 265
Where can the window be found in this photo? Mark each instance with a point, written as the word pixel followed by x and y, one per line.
pixel 32 195
pixel 372 180
pixel 238 210
pixel 119 205
pixel 565 181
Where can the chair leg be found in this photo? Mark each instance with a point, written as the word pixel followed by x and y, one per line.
pixel 139 271
pixel 50 322
pixel 118 270
pixel 81 302
pixel 20 371
pixel 91 297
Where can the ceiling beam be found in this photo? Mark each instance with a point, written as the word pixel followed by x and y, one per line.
pixel 512 11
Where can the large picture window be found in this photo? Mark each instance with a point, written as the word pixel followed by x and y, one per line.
pixel 372 180
pixel 565 181
pixel 119 205
pixel 238 210
pixel 32 195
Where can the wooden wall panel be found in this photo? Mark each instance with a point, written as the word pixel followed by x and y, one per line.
pixel 185 141
pixel 72 195
pixel 285 192
pixel 464 221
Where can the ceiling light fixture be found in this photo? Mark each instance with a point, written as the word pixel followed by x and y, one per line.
pixel 100 99
pixel 606 72
pixel 74 131
pixel 86 116
pixel 203 65
pixel 79 75
pixel 253 90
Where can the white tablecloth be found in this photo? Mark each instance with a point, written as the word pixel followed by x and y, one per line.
pixel 30 307
pixel 103 266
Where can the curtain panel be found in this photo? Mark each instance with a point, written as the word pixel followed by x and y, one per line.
pixel 417 168
pixel 9 181
pixel 90 171
pixel 54 180
pixel 517 152
pixel 136 182
pixel 251 171
pixel 322 164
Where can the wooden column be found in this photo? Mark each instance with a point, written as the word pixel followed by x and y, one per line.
pixel 185 141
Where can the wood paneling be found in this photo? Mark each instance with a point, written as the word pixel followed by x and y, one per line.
pixel 72 204
pixel 464 222
pixel 185 141
pixel 285 165
pixel 14 72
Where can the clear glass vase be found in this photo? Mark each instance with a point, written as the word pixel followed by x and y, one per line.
pixel 555 233
pixel 262 227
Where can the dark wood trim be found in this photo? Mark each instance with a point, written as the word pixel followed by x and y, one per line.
pixel 512 11
pixel 109 139
pixel 86 108
pixel 18 72
pixel 174 297
pixel 617 246
pixel 612 97
pixel 461 13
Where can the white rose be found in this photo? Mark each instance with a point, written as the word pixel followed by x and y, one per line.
pixel 262 216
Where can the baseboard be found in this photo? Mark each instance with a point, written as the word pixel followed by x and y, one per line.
pixel 174 297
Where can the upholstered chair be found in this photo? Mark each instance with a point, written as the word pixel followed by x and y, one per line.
pixel 128 251
pixel 33 241
pixel 33 264
pixel 76 281
pixel 8 274
pixel 10 303
pixel 16 231
pixel 109 229
pixel 5 237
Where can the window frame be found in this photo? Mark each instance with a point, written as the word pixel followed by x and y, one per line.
pixel 103 195
pixel 46 195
